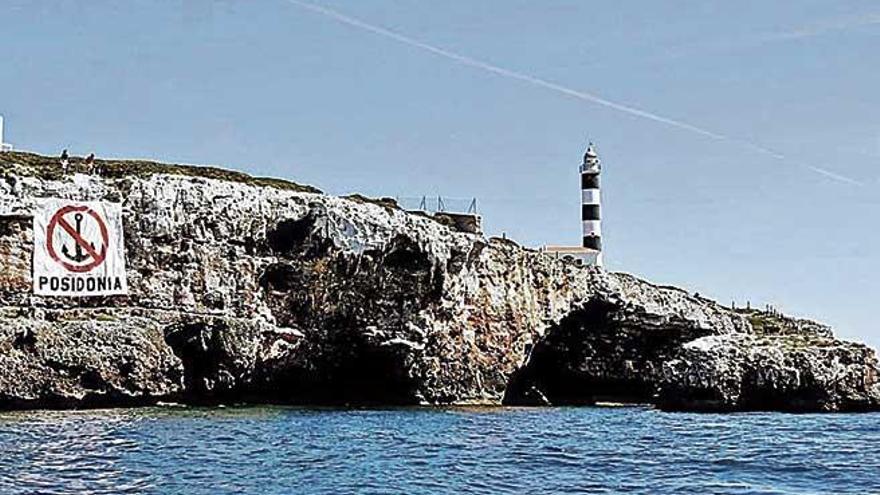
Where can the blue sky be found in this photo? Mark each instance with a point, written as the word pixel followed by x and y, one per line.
pixel 762 188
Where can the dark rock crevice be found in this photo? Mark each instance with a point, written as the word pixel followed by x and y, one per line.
pixel 209 369
pixel 404 254
pixel 303 238
pixel 289 235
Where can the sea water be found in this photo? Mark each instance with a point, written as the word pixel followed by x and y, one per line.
pixel 277 450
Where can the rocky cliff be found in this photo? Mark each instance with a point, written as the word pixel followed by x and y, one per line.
pixel 257 290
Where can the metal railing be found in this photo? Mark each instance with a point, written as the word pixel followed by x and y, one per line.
pixel 441 204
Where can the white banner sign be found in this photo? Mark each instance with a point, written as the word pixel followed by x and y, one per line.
pixel 78 249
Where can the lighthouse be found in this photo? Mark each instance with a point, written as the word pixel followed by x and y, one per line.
pixel 591 218
pixel 3 146
pixel 590 251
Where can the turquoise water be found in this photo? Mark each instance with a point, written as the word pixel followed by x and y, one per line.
pixel 566 450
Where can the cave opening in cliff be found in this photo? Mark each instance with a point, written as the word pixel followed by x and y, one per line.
pixel 591 356
pixel 354 377
pixel 339 364
pixel 405 254
pixel 290 234
pixel 371 377
pixel 199 347
pixel 354 369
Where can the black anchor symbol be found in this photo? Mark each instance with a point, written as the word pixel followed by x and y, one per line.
pixel 79 256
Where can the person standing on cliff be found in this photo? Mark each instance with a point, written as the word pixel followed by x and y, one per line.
pixel 90 163
pixel 65 161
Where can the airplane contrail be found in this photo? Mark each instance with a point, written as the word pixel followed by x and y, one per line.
pixel 536 81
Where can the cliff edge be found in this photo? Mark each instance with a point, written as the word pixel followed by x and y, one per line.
pixel 260 290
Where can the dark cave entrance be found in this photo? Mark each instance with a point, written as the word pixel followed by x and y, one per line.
pixel 593 355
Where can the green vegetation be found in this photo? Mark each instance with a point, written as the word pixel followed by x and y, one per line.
pixel 387 203
pixel 794 341
pixel 787 332
pixel 765 323
pixel 105 317
pixel 49 168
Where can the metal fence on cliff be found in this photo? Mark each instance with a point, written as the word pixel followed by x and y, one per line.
pixel 435 204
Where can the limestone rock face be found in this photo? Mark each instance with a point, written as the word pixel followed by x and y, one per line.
pixel 743 372
pixel 261 291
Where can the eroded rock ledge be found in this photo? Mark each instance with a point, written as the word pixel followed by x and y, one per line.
pixel 256 290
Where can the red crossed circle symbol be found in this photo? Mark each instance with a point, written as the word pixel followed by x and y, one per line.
pixel 97 257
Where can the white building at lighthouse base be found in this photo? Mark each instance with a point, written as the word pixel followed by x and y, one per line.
pixel 580 255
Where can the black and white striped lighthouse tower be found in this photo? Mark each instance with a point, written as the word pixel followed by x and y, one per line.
pixel 591 217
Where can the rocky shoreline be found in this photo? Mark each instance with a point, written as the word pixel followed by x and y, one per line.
pixel 265 291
